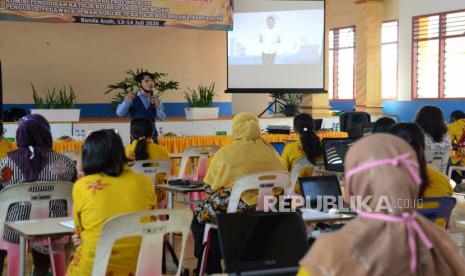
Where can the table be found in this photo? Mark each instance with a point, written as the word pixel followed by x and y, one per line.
pixel 36 228
pixel 58 145
pixel 177 144
pixel 329 218
pixel 172 189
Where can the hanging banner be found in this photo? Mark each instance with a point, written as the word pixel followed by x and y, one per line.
pixel 200 14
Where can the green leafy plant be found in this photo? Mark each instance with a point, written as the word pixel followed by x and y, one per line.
pixel 287 103
pixel 200 97
pixel 122 88
pixel 62 98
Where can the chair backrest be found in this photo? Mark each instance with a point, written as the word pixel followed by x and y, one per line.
pixel 203 151
pixel 442 210
pixel 352 122
pixel 451 170
pixel 299 164
pixel 38 194
pixel 264 182
pixel 151 226
pixel 152 168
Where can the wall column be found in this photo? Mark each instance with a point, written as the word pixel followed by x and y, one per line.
pixel 368 56
pixel 317 105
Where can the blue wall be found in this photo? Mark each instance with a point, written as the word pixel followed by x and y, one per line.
pixel 105 110
pixel 406 110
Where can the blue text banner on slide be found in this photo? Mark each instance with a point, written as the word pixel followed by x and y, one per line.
pixel 201 14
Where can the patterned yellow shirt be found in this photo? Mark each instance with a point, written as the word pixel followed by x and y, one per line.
pixel 293 152
pixel 99 197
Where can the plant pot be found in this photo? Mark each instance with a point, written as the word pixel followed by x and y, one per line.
pixel 59 115
pixel 195 113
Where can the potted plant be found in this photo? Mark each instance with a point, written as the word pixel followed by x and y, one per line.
pixel 122 88
pixel 290 106
pixel 56 105
pixel 199 102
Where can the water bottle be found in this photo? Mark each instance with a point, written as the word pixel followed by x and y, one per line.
pixel 160 132
pixel 77 134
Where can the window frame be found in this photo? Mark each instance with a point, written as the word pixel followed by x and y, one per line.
pixel 441 55
pixel 397 62
pixel 335 68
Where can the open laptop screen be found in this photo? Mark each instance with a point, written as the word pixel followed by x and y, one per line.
pixel 334 152
pixel 318 186
pixel 260 241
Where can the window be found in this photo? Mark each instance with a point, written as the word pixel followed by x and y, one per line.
pixel 438 55
pixel 341 63
pixel 389 38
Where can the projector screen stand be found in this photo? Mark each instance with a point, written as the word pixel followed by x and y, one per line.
pixel 273 104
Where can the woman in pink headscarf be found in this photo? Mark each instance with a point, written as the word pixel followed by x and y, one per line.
pixel 388 237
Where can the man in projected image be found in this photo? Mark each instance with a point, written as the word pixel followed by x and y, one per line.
pixel 269 39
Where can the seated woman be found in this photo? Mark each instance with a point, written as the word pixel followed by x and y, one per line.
pixel 383 124
pixel 437 140
pixel 387 237
pixel 247 154
pixel 142 146
pixel 434 183
pixel 308 146
pixel 109 189
pixel 33 161
pixel 457 137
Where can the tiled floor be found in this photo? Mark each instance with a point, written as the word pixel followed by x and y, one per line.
pixel 457 231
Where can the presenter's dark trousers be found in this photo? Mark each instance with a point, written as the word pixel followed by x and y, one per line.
pixel 155 134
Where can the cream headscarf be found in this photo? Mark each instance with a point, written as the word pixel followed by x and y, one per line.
pixel 368 246
pixel 247 154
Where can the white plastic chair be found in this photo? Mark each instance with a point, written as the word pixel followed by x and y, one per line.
pixel 152 168
pixel 264 182
pixel 39 195
pixel 300 164
pixel 150 254
pixel 203 152
pixel 449 174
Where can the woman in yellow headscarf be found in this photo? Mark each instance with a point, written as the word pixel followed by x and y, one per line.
pixel 247 154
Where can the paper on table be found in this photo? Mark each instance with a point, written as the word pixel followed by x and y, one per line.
pixel 314 214
pixel 68 224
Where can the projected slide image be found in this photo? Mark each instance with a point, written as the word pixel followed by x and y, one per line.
pixel 283 37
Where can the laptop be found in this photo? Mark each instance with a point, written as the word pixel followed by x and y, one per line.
pixel 314 187
pixel 278 146
pixel 334 152
pixel 261 243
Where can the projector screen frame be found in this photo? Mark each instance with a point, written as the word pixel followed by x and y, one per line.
pixel 282 90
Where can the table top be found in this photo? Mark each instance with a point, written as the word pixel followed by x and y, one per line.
pixel 40 227
pixel 329 218
pixel 179 189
